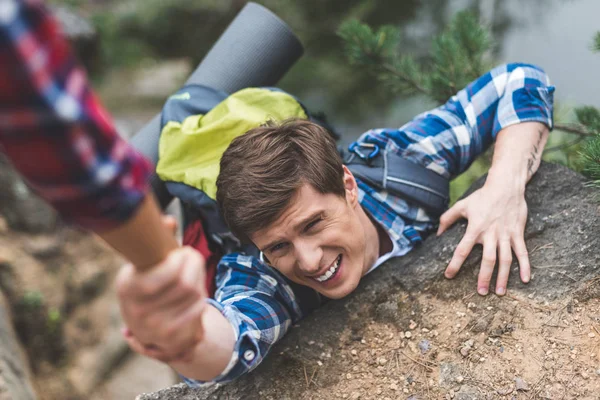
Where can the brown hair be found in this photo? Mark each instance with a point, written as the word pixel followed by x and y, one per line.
pixel 262 170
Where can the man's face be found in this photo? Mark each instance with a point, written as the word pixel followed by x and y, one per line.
pixel 322 241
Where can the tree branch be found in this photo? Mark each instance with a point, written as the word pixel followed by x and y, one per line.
pixel 399 74
pixel 576 129
pixel 564 145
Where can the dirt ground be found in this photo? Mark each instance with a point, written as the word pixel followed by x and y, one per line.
pixel 471 348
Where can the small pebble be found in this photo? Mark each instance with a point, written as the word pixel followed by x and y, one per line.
pixel 348 376
pixel 424 346
pixel 591 334
pixel 459 379
pixel 520 384
pixel 319 363
pixel 412 325
pixel 393 386
pixel 355 396
pixel 584 375
pixel 382 361
pixel 354 352
pixel 407 334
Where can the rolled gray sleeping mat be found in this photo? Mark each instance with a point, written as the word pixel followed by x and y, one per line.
pixel 257 49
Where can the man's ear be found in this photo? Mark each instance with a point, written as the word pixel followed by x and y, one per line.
pixel 351 187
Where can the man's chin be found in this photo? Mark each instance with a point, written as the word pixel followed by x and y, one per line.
pixel 339 291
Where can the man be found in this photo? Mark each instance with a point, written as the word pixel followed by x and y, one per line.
pixel 284 188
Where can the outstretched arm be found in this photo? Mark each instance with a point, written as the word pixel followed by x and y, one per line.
pixel 497 212
pixel 512 105
pixel 252 309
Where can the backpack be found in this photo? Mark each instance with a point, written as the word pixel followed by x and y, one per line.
pixel 198 123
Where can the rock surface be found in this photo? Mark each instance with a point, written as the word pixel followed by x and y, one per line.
pixel 22 210
pixel 563 237
pixel 14 372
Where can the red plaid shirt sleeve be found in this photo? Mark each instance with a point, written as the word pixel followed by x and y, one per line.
pixel 54 129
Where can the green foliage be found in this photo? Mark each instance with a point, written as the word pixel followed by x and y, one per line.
pixel 138 29
pixel 40 329
pixel 457 56
pixel 591 160
pixel 378 51
pixel 32 300
pixel 365 47
pixel 54 320
pixel 118 49
pixel 589 116
pixel 596 46
pixel 68 3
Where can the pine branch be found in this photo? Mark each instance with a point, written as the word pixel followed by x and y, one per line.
pixel 589 116
pixel 596 45
pixel 576 129
pixel 404 76
pixel 564 146
pixel 591 160
pixel 379 52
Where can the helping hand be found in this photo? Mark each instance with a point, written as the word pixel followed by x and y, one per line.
pixel 163 306
pixel 496 217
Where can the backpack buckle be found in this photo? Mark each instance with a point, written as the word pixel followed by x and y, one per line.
pixel 356 149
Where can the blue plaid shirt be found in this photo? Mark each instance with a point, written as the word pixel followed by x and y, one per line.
pixel 262 305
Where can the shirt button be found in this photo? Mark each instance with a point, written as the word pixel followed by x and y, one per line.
pixel 249 355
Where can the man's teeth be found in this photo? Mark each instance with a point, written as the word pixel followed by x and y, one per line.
pixel 330 271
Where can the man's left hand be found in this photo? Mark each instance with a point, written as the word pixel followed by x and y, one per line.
pixel 496 216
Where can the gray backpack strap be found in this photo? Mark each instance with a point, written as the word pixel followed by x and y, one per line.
pixel 389 171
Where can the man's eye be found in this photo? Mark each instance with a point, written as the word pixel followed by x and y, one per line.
pixel 278 246
pixel 312 224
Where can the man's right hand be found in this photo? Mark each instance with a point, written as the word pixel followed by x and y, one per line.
pixel 162 307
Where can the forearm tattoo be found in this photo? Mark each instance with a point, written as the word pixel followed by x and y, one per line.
pixel 535 154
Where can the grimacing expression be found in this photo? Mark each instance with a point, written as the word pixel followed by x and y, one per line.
pixel 321 240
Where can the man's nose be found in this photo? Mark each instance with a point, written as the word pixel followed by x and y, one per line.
pixel 308 257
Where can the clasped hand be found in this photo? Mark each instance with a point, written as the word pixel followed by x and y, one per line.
pixel 162 307
pixel 496 214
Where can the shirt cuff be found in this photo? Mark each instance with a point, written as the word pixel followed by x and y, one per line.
pixel 529 104
pixel 245 355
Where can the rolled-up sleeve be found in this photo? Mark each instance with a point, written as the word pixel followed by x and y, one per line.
pixel 449 138
pixel 261 308
pixel 55 131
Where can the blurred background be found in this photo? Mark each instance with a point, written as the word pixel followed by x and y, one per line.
pixel 59 280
